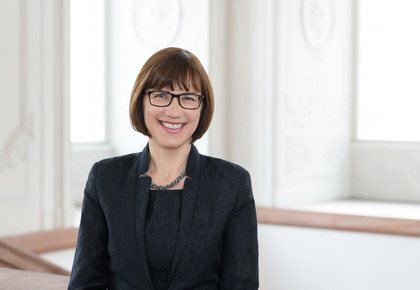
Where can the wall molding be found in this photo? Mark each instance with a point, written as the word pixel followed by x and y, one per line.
pixel 16 146
pixel 317 17
pixel 164 16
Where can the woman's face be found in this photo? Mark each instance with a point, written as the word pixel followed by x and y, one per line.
pixel 171 127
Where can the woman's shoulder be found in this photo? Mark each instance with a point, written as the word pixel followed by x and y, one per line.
pixel 118 165
pixel 118 161
pixel 222 165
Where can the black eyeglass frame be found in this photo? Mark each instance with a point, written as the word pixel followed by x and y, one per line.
pixel 200 98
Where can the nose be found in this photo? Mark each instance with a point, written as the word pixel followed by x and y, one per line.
pixel 174 109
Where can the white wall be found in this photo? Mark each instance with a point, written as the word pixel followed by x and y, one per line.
pixel 301 258
pixel 34 147
pixel 282 71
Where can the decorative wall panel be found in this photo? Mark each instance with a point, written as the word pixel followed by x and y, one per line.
pixel 15 123
pixel 317 22
pixel 17 212
pixel 287 96
pixel 32 138
pixel 315 91
pixel 314 156
pixel 156 22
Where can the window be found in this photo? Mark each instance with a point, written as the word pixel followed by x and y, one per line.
pixel 386 155
pixel 388 70
pixel 87 71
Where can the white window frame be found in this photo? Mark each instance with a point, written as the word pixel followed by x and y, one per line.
pixel 382 170
pixel 84 154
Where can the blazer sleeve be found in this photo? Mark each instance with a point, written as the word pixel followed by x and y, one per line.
pixel 91 262
pixel 240 242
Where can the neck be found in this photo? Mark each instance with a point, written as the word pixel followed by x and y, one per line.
pixel 166 162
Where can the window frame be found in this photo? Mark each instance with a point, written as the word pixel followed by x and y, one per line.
pixel 381 170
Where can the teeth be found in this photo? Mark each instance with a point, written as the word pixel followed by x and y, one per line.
pixel 171 126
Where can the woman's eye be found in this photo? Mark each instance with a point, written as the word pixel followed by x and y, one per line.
pixel 189 98
pixel 160 96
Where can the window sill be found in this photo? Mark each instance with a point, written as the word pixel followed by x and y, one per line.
pixel 348 215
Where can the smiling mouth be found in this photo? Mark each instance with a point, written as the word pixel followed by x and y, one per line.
pixel 171 125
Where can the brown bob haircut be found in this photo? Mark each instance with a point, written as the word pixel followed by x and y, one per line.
pixel 169 68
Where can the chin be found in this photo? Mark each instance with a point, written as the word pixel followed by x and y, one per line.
pixel 174 144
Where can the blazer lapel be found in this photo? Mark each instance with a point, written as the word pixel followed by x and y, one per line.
pixel 141 201
pixel 189 199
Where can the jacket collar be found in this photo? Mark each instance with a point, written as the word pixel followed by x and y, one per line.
pixel 143 163
pixel 193 163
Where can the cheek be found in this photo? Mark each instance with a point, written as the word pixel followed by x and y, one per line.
pixel 148 114
pixel 196 117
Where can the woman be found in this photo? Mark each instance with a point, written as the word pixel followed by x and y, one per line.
pixel 168 217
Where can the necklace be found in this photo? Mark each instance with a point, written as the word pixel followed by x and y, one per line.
pixel 170 185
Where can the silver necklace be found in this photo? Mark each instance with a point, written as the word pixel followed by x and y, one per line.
pixel 170 185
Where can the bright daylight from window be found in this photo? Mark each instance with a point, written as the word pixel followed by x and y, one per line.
pixel 87 80
pixel 389 70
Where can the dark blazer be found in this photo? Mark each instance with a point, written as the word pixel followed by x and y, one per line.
pixel 217 244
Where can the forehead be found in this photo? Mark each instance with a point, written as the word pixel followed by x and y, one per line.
pixel 176 83
pixel 178 88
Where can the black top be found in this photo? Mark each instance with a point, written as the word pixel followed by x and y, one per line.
pixel 161 226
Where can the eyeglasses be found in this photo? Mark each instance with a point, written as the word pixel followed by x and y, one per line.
pixel 187 101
